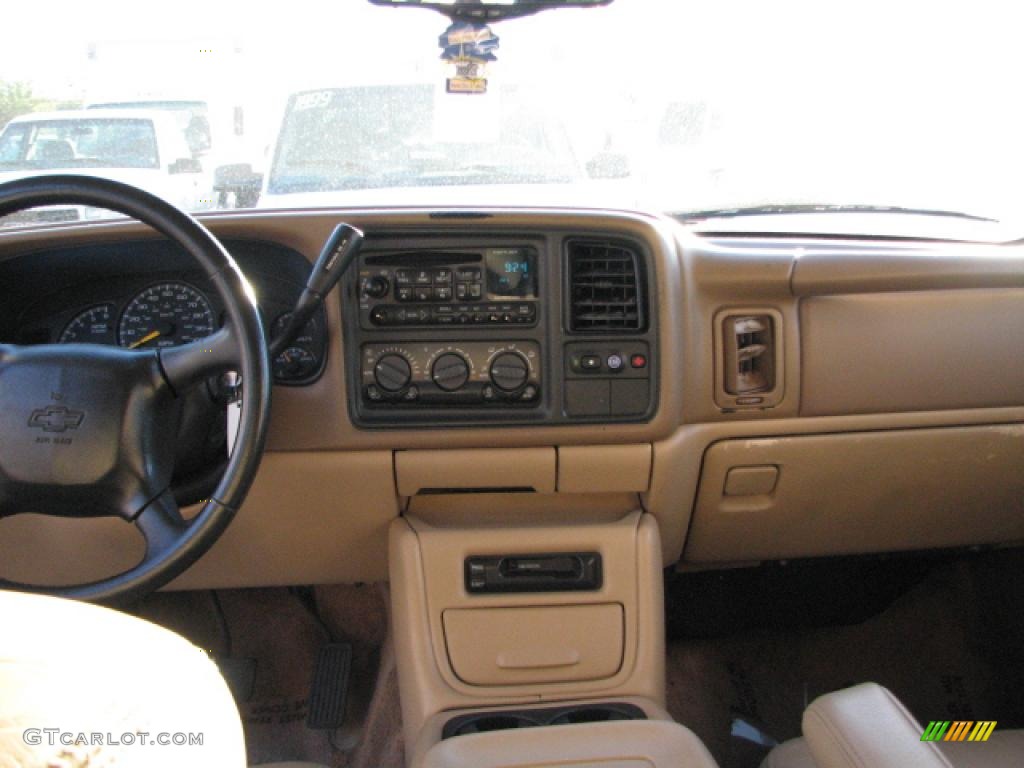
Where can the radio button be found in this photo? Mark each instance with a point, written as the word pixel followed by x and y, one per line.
pixel 422 277
pixel 443 275
pixel 404 276
pixel 467 274
pixel 423 294
pixel 443 293
pixel 475 291
pixel 404 293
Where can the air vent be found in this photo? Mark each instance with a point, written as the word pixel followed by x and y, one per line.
pixel 605 287
pixel 749 354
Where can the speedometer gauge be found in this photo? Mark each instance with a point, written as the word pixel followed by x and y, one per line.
pixel 164 315
pixel 91 326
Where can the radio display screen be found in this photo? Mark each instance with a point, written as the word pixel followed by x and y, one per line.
pixel 511 272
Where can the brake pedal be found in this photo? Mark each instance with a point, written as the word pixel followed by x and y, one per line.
pixel 329 693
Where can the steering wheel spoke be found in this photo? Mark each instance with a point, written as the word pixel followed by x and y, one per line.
pixel 190 363
pixel 162 525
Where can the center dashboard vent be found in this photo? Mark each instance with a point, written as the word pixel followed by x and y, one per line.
pixel 605 287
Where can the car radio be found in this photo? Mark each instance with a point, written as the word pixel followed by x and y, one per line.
pixel 449 288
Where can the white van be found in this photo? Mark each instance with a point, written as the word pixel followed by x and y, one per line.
pixel 393 143
pixel 145 148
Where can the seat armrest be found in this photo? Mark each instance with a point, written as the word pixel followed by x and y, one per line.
pixel 866 727
pixel 622 744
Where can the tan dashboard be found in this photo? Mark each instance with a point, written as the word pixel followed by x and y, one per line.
pixel 810 397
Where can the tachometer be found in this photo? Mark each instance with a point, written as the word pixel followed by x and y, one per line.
pixel 164 315
pixel 94 325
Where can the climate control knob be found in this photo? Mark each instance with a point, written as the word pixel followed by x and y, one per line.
pixel 392 373
pixel 509 371
pixel 450 372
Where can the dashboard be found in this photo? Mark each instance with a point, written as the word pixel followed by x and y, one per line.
pixel 762 394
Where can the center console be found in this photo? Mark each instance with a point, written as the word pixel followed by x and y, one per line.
pixel 543 328
pixel 535 644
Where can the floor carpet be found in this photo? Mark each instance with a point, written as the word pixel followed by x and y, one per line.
pixel 267 642
pixel 951 647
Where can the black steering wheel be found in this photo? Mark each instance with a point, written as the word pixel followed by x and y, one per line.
pixel 88 430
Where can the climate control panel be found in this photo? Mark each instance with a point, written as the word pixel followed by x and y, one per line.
pixel 464 373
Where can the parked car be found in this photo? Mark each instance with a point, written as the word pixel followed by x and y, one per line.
pixel 214 137
pixel 145 148
pixel 368 143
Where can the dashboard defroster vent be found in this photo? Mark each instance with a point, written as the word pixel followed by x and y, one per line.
pixel 605 287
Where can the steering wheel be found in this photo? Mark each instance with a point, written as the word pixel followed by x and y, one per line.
pixel 88 430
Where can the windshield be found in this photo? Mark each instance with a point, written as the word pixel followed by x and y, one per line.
pixel 640 104
pixel 397 136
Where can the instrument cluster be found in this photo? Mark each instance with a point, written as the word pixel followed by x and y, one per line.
pixel 162 315
pixel 149 296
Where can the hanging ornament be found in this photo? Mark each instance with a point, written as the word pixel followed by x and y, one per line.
pixel 468 47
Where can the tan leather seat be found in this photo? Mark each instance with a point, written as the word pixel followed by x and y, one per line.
pixel 72 671
pixel 866 726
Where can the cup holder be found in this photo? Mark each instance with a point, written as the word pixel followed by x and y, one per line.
pixel 600 713
pixel 502 721
pixel 578 714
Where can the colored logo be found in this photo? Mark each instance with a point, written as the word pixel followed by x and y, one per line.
pixel 55 418
pixel 958 730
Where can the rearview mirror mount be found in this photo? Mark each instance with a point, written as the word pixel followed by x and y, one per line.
pixel 490 10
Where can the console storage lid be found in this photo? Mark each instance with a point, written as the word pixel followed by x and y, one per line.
pixel 544 644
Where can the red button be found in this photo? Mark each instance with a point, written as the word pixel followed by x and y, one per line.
pixel 638 361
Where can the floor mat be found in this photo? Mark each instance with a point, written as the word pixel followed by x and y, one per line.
pixel 267 642
pixel 942 647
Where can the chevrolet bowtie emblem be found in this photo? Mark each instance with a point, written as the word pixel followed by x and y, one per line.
pixel 55 418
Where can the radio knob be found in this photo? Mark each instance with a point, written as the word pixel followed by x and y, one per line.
pixel 392 373
pixel 509 371
pixel 450 372
pixel 376 287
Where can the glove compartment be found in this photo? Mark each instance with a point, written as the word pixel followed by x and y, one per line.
pixel 815 495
